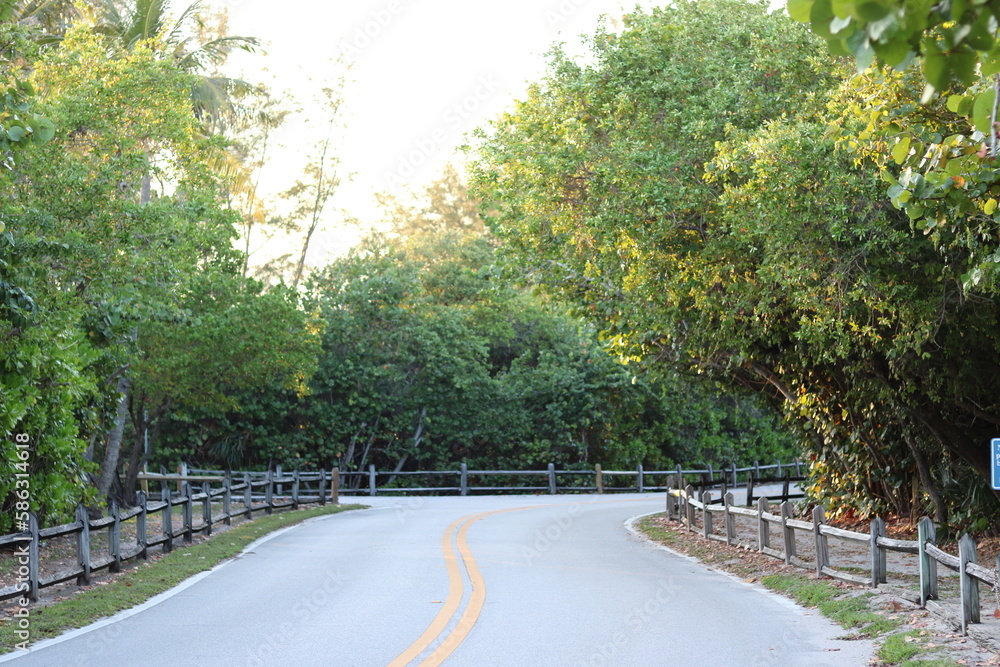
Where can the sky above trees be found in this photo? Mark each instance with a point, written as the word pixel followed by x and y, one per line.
pixel 425 73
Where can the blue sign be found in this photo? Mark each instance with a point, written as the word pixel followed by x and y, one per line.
pixel 995 458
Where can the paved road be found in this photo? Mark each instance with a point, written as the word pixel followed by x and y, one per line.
pixel 475 582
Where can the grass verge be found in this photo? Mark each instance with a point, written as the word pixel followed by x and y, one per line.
pixel 152 578
pixel 899 648
pixel 852 612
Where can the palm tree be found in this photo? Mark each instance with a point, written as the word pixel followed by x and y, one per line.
pixel 187 40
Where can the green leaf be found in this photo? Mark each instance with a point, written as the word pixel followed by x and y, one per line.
pixel 991 61
pixel 800 10
pixel 820 17
pixel 15 133
pixel 990 206
pixel 958 8
pixel 955 102
pixel 43 130
pixel 963 66
pixel 980 37
pixel 872 11
pixel 901 150
pixel 936 70
pixel 982 111
pixel 893 51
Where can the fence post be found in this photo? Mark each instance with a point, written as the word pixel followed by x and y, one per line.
pixel 730 520
pixel 248 495
pixel 640 480
pixel 822 553
pixel 335 486
pixel 322 487
pixel 463 474
pixel 735 480
pixel 968 585
pixel 927 532
pixel 599 480
pixel 552 478
pixel 168 520
pixel 798 468
pixel 688 507
pixel 750 480
pixel 140 525
pixel 279 487
pixel 206 507
pixel 785 480
pixel 672 504
pixel 680 478
pixel 787 532
pixel 83 546
pixel 706 514
pixel 188 513
pixel 878 553
pixel 227 499
pixel 114 538
pixel 763 531
pixel 33 561
pixel 296 479
pixel 269 492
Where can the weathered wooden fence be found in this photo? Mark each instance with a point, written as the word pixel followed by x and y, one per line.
pixel 687 504
pixel 256 492
pixel 597 480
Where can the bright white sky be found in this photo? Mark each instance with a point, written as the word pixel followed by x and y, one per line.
pixel 425 73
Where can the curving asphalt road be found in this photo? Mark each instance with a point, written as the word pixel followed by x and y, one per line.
pixel 464 582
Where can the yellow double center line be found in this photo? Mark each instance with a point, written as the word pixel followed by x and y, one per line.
pixel 455 591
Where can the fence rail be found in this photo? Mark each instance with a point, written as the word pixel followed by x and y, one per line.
pixel 595 480
pixel 685 504
pixel 255 493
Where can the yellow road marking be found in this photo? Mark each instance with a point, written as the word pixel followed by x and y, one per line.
pixel 456 589
pixel 440 621
pixel 476 600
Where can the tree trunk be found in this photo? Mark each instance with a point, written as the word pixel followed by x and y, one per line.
pixel 113 450
pixel 927 481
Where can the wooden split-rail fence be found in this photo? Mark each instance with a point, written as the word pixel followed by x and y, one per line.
pixel 688 505
pixel 256 492
pixel 597 480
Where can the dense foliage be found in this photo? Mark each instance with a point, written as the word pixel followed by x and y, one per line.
pixel 709 200
pixel 429 359
pixel 685 189
pixel 122 294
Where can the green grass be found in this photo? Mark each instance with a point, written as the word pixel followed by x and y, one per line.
pixel 849 612
pixel 150 579
pixel 899 649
